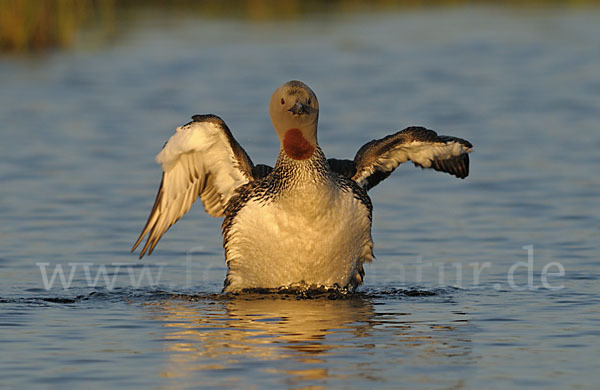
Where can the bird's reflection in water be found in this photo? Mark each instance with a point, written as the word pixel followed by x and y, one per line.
pixel 302 342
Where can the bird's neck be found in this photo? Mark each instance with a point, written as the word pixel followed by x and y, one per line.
pixel 311 171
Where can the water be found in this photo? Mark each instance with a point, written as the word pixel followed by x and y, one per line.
pixel 440 307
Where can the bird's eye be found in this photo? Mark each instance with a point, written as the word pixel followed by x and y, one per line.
pixel 308 101
pixel 282 101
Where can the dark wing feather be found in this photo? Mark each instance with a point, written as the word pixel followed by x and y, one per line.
pixel 260 171
pixel 377 159
pixel 343 167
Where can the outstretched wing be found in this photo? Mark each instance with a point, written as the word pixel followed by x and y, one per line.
pixel 377 159
pixel 201 159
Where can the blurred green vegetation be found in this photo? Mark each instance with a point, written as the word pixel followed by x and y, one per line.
pixel 39 24
pixel 29 25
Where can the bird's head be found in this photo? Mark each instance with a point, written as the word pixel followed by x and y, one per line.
pixel 294 110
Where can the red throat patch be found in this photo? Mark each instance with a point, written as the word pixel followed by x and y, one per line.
pixel 296 146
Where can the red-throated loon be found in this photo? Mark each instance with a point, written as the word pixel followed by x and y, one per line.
pixel 305 223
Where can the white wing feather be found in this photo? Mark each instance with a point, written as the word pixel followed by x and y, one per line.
pixel 200 159
pixel 377 159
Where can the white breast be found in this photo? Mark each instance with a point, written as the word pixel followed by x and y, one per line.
pixel 319 236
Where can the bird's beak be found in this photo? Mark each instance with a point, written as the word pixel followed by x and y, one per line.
pixel 299 109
